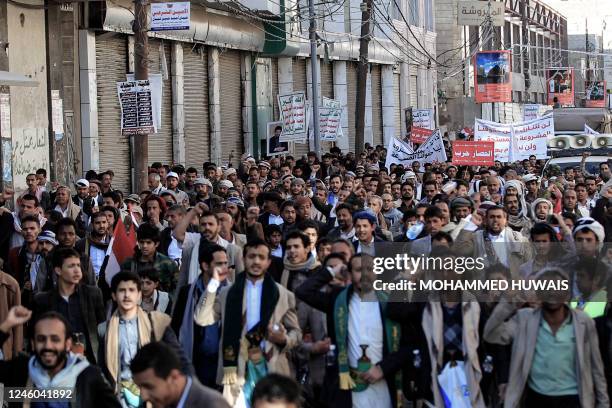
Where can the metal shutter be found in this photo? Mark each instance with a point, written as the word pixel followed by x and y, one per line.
pixel 351 104
pixel 197 131
pixel 376 92
pixel 397 110
pixel 300 84
pixel 414 92
pixel 160 143
pixel 231 107
pixel 274 68
pixel 327 79
pixel 111 67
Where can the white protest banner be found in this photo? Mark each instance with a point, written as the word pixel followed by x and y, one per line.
pixel 422 118
pixel 590 131
pixel 293 115
pixel 430 151
pixel 156 98
pixel 396 151
pixel 170 16
pixel 329 123
pixel 495 132
pixel 531 111
pixel 529 138
pixel 332 103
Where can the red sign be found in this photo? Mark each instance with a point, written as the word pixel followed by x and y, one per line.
pixel 420 135
pixel 473 153
pixel 492 77
pixel 595 94
pixel 560 85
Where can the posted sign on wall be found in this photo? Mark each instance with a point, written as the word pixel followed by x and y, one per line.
pixel 170 16
pixel 136 107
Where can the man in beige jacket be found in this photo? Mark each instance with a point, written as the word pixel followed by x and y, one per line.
pixel 555 353
pixel 258 319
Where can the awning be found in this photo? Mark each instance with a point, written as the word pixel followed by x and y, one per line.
pixel 12 79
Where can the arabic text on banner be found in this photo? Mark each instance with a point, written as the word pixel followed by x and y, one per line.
pixel 329 123
pixel 516 141
pixel 470 12
pixel 293 115
pixel 529 138
pixel 430 151
pixel 531 111
pixel 495 132
pixel 419 134
pixel 470 153
pixel 156 82
pixel 333 103
pixel 170 16
pixel 423 118
pixel 136 109
pixel 396 150
pixel 590 131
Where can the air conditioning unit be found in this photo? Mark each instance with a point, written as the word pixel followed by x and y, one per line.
pixel 559 142
pixel 580 141
pixel 600 141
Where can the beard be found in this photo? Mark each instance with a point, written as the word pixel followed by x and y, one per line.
pixel 61 358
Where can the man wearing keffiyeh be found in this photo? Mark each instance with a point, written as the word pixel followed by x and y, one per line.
pixel 259 325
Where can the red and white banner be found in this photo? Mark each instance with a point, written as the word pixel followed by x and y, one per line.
pixel 473 153
pixel 120 248
pixel 420 135
pixel 530 138
pixel 500 134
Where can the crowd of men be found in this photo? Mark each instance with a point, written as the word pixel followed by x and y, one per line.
pixel 254 285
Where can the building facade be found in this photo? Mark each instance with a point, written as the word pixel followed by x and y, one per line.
pixel 590 41
pixel 535 34
pixel 219 80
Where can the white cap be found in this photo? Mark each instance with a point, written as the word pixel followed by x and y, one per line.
pixel 172 174
pixel 81 183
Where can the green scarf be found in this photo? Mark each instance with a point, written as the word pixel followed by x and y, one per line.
pixel 341 319
pixel 232 324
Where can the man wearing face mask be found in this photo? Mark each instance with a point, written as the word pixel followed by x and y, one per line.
pixel 53 365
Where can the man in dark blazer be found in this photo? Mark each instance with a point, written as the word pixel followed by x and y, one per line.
pixel 156 369
pixel 84 308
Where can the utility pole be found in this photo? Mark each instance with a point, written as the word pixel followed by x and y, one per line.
pixel 314 65
pixel 140 154
pixel 362 75
pixel 587 49
pixel 489 45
